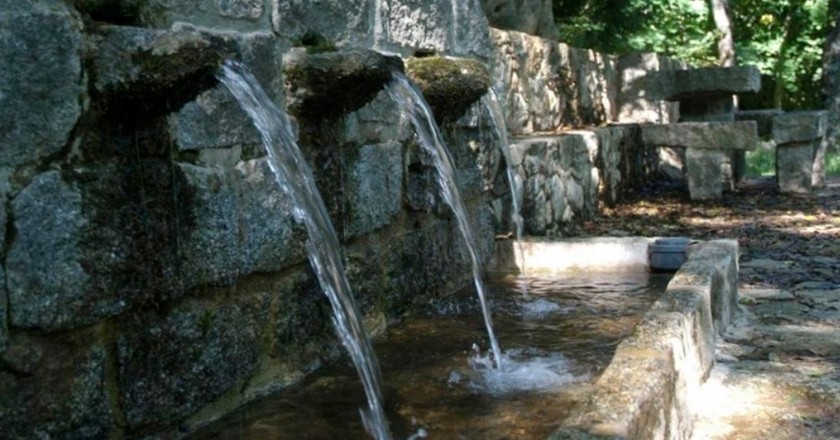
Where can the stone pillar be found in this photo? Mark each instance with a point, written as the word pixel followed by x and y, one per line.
pixel 800 150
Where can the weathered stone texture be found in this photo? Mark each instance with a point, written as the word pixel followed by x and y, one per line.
pixel 401 26
pixel 558 176
pixel 799 126
pixel 47 282
pixel 214 119
pixel 239 15
pixel 433 26
pixel 4 297
pixel 739 135
pixel 329 84
pixel 343 22
pixel 55 389
pixel 703 169
pixel 172 363
pixel 800 150
pixel 545 85
pixel 762 118
pixel 659 368
pixel 535 17
pixel 41 80
pixel 145 73
pixel 674 85
pixel 637 99
pixel 243 224
pixel 794 167
pixel 449 85
pixel 373 185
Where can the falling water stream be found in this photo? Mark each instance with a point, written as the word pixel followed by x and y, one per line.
pixel 414 106
pixel 295 179
pixel 491 101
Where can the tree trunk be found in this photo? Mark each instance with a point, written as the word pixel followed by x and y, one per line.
pixel 778 68
pixel 723 23
pixel 831 73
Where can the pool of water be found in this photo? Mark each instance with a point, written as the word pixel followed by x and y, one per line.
pixel 556 340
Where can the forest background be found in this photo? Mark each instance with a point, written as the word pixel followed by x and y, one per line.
pixel 794 43
pixel 783 38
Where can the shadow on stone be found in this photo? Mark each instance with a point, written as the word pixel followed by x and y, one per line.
pixel 327 84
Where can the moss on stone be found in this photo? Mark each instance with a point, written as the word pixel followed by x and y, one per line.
pixel 327 84
pixel 450 85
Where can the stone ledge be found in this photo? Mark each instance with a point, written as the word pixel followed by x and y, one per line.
pixel 799 126
pixel 674 85
pixel 763 119
pixel 647 390
pixel 739 135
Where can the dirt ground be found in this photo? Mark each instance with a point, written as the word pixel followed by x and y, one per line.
pixel 777 374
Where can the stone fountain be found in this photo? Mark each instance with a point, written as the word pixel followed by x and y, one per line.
pixel 153 277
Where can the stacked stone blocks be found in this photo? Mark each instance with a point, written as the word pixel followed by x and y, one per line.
pixel 705 95
pixel 800 150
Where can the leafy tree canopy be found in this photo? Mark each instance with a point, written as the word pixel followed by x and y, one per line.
pixel 784 38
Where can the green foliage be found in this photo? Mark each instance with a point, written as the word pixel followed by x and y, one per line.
pixel 784 38
pixel 832 163
pixel 761 161
pixel 677 28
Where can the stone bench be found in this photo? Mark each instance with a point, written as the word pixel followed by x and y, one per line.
pixel 705 94
pixel 708 145
pixel 800 150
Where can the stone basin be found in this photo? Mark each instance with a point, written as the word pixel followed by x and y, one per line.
pixel 650 386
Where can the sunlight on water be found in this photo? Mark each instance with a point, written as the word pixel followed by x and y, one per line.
pixel 295 179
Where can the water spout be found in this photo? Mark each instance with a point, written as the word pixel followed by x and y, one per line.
pixel 414 106
pixel 295 179
pixel 491 101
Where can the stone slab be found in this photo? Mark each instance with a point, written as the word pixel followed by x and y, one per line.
pixel 615 254
pixel 794 167
pixel 675 85
pixel 763 119
pixel 739 135
pixel 704 172
pixel 637 100
pixel 799 126
pixel 40 99
pixel 46 280
pixel 648 390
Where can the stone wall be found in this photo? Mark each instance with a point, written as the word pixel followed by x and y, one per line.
pixel 153 276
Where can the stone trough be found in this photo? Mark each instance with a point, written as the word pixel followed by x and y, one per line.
pixel 648 389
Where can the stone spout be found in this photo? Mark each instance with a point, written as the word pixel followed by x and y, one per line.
pixel 450 85
pixel 327 84
pixel 140 72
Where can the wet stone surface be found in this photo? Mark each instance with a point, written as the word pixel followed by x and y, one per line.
pixel 778 368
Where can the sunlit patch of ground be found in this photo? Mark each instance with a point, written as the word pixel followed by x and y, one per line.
pixel 767 400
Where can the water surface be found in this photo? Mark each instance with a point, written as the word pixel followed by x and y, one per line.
pixel 560 338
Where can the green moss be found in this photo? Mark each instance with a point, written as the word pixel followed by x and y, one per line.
pixel 449 85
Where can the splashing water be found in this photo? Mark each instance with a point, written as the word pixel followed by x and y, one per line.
pixel 414 107
pixel 295 179
pixel 523 370
pixel 491 101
